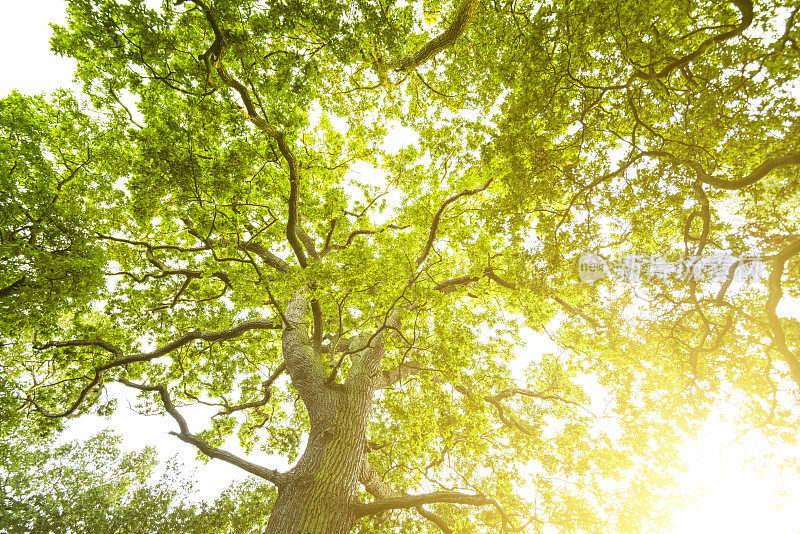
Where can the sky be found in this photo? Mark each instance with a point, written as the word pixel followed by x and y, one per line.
pixel 734 497
pixel 28 64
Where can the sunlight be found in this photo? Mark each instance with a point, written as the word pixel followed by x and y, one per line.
pixel 734 496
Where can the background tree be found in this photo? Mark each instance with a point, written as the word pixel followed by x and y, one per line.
pixel 92 487
pixel 364 326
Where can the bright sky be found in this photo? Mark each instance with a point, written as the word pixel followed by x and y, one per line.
pixel 735 498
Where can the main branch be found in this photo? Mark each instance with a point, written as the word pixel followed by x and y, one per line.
pixel 464 14
pixel 775 294
pixel 121 360
pixel 412 501
pixel 213 57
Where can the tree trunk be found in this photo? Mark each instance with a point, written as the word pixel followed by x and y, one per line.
pixel 320 493
pixel 323 485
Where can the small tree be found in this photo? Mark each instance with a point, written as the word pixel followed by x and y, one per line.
pixel 335 221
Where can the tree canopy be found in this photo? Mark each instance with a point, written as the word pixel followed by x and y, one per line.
pixel 338 222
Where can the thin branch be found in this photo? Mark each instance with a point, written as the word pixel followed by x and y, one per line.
pixel 437 218
pixel 544 395
pixel 148 245
pixel 184 435
pixel 574 311
pixel 745 7
pixel 227 410
pixel 608 176
pixel 391 377
pixel 355 233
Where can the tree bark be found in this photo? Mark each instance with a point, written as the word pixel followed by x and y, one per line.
pixel 320 495
pixel 11 289
pixel 323 485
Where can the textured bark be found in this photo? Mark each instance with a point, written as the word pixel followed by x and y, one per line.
pixel 463 16
pixel 11 289
pixel 322 490
pixel 320 495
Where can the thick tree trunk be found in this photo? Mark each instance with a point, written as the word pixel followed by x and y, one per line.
pixel 320 495
pixel 321 491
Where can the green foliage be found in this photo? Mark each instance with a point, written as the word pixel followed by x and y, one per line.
pixel 93 487
pixel 208 175
pixel 50 259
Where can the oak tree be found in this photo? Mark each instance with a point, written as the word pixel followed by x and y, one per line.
pixel 337 223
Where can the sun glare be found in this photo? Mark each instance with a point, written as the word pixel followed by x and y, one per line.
pixel 734 495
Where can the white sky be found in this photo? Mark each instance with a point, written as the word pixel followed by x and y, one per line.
pixel 28 64
pixel 737 500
